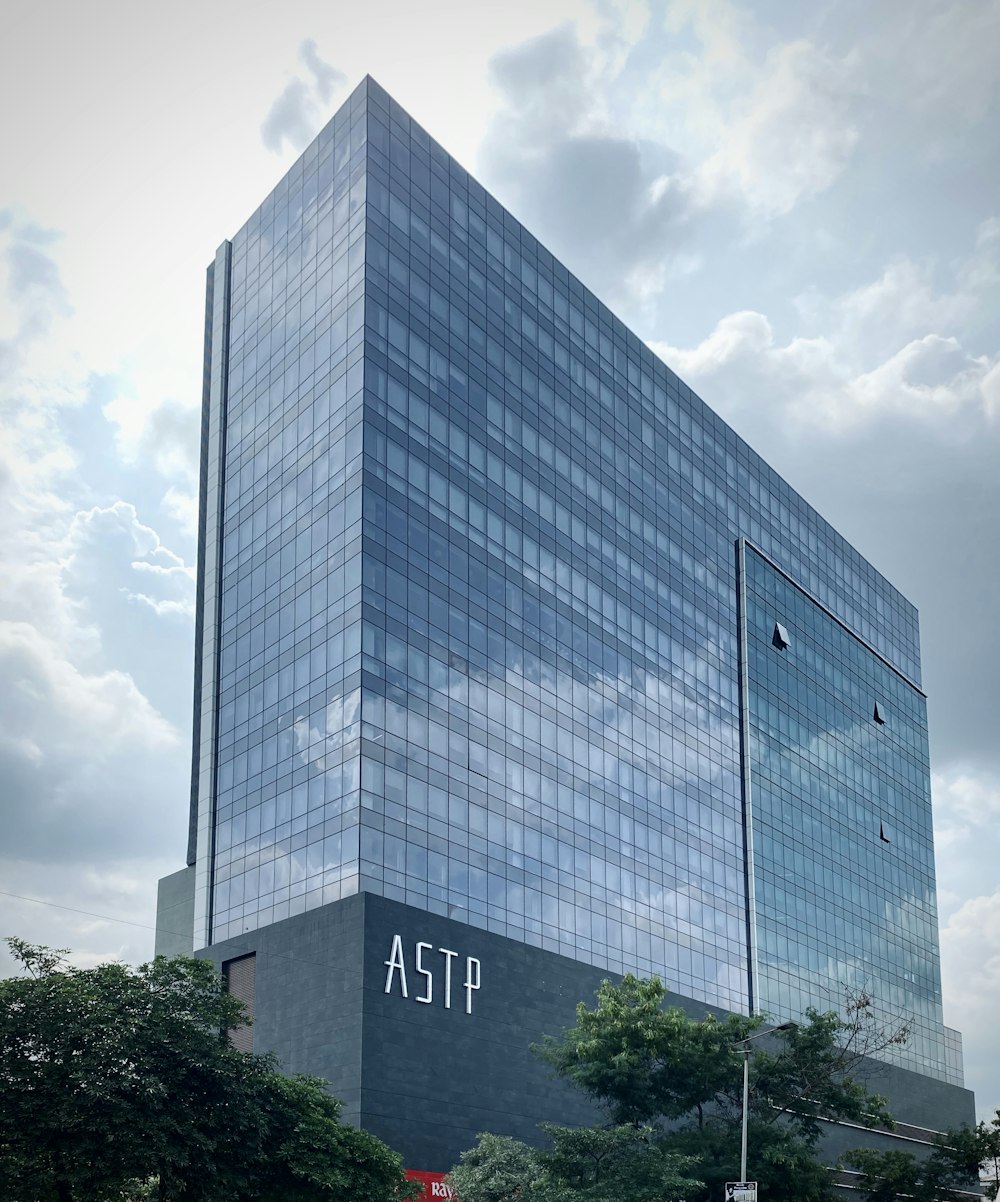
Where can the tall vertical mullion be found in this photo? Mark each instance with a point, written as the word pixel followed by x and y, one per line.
pixel 214 500
pixel 753 971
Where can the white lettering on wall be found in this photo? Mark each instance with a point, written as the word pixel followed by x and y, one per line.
pixel 396 965
pixel 448 957
pixel 471 981
pixel 424 972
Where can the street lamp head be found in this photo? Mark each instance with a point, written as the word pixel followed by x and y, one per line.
pixel 745 1053
pixel 791 1025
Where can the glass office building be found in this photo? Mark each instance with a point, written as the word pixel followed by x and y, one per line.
pixel 501 622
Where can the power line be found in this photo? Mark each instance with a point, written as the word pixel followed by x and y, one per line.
pixel 228 943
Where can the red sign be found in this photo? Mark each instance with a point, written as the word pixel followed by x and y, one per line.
pixel 436 1188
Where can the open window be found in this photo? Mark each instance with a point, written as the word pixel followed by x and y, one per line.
pixel 877 715
pixel 780 637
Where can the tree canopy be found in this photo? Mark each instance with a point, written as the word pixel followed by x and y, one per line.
pixel 961 1158
pixel 583 1164
pixel 122 1083
pixel 672 1089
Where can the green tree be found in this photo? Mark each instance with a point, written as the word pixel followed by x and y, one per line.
pixel 973 1152
pixel 784 1165
pixel 304 1153
pixel 121 1083
pixel 87 1097
pixel 648 1064
pixel 810 1073
pixel 496 1168
pixel 642 1062
pixel 604 1164
pixel 886 1175
pixel 961 1158
pixel 583 1164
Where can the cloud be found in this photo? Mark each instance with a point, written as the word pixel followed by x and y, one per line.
pixel 327 79
pixel 32 294
pixel 899 303
pixel 291 118
pixel 88 765
pixel 791 135
pixel 52 401
pixel 627 147
pixel 743 368
pixel 611 204
pixel 100 913
pixel 883 349
pixel 930 378
pixel 991 391
pixel 966 815
pixel 109 549
pixel 165 435
pixel 295 116
pixel 934 61
pixel 94 611
pixel 970 964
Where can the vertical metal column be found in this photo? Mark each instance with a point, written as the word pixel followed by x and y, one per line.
pixel 741 592
pixel 213 492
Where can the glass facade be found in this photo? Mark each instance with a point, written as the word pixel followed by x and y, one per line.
pixel 287 764
pixel 479 619
pixel 843 853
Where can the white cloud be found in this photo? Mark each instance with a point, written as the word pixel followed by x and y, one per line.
pixel 107 549
pixel 98 913
pixel 297 113
pixel 92 768
pixel 791 135
pixel 929 378
pixel 163 432
pixel 86 760
pixel 963 801
pixel 900 304
pixel 966 816
pixel 32 294
pixel 613 205
pixel 183 508
pixel 970 962
pixel 885 349
pixel 620 143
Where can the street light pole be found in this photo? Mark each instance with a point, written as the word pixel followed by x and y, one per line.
pixel 746 1100
pixel 745 1053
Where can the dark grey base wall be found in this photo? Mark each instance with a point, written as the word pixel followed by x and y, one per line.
pixel 309 995
pixel 427 1078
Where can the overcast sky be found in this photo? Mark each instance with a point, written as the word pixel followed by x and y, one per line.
pixel 797 206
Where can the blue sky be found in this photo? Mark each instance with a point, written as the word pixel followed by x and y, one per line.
pixel 798 207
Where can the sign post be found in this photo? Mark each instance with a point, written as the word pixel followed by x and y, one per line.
pixel 741 1191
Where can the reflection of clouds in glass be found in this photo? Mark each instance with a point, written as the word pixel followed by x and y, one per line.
pixel 338 725
pixel 831 979
pixel 825 778
pixel 660 889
